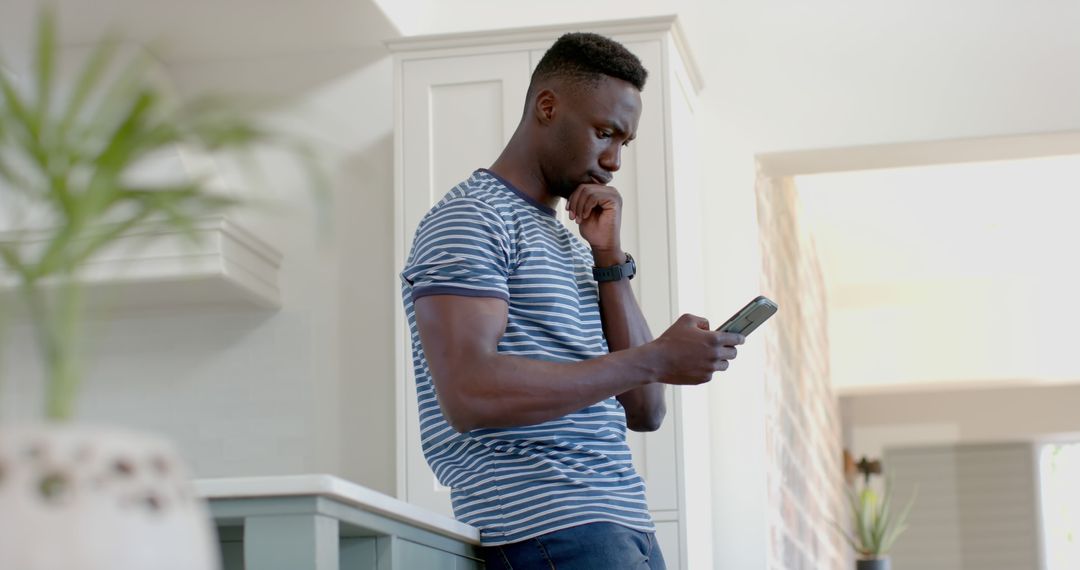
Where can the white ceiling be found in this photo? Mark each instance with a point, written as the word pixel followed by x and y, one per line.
pixel 192 30
pixel 956 274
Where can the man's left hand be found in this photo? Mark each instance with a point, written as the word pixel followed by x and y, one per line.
pixel 598 211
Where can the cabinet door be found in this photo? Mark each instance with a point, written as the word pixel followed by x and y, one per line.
pixel 457 114
pixel 411 555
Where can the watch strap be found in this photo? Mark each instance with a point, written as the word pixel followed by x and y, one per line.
pixel 616 272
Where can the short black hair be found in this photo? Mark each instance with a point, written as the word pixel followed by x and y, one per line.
pixel 583 58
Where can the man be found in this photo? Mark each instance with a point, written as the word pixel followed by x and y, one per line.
pixel 531 354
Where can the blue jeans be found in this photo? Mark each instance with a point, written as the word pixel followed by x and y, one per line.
pixel 594 546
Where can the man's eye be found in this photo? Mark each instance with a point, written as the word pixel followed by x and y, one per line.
pixel 603 135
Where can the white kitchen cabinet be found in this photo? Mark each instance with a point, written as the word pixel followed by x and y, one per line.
pixel 458 99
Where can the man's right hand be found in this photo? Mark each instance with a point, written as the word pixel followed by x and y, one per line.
pixel 691 352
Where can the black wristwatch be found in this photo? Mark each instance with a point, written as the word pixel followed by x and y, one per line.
pixel 615 272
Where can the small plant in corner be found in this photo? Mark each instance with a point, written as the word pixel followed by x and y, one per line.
pixel 875 523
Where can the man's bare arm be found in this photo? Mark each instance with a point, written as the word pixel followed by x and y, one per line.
pixel 478 387
pixel 625 327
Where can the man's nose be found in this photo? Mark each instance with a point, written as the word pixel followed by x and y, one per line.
pixel 611 160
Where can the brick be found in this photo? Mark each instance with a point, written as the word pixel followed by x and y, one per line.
pixel 803 431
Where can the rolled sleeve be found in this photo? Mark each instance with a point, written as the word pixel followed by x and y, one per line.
pixel 460 248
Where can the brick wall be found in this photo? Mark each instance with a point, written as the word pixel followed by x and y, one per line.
pixel 803 432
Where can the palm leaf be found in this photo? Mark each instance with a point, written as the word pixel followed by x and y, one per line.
pixel 3 107
pixel 21 124
pixel 875 525
pixel 847 536
pixel 13 178
pixel 866 521
pixel 123 142
pixel 890 538
pixel 114 101
pixel 57 254
pixel 901 524
pixel 11 258
pixel 89 77
pixel 881 519
pixel 106 236
pixel 45 64
pixel 27 127
pixel 119 153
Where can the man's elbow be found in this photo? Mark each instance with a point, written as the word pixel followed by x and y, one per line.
pixel 462 417
pixel 460 424
pixel 647 422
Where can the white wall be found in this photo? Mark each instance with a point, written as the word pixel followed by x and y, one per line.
pixel 932 271
pixel 341 273
pixel 732 270
pixel 308 388
pixel 841 73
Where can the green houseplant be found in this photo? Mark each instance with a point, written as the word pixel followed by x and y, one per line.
pixel 74 158
pixel 75 496
pixel 875 524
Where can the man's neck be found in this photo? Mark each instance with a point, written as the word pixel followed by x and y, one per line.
pixel 520 169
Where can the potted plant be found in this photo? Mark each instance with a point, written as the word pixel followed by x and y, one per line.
pixel 76 497
pixel 875 525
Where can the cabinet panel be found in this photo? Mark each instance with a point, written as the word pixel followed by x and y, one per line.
pixel 456 114
pixel 667 534
pixel 414 555
pixel 460 113
pixel 468 564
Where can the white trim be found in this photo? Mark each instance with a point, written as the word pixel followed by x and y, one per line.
pixel 919 387
pixel 230 266
pixel 402 346
pixel 337 489
pixel 898 155
pixel 542 36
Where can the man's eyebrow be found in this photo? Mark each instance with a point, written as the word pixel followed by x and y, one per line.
pixel 618 129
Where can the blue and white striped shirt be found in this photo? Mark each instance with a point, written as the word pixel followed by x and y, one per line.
pixel 485 238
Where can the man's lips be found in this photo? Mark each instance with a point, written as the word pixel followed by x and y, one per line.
pixel 601 180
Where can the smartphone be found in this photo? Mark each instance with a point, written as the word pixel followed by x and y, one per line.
pixel 750 317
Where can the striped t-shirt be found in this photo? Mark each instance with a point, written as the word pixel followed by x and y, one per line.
pixel 485 238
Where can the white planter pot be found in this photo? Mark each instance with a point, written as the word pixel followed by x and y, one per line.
pixel 87 498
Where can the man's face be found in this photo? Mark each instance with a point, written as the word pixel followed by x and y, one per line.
pixel 590 128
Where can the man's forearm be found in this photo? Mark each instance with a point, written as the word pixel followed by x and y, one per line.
pixel 624 324
pixel 625 327
pixel 479 387
pixel 500 390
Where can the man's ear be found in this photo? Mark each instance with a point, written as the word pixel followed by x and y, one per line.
pixel 544 106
